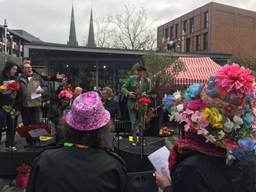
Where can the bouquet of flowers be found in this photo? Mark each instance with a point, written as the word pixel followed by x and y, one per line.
pixel 10 88
pixel 223 111
pixel 23 175
pixel 143 103
pixel 66 96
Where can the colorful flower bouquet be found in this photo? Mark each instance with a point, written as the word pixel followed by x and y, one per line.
pixel 10 88
pixel 223 111
pixel 66 96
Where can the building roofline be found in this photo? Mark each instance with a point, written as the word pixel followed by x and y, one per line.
pixel 63 47
pixel 199 7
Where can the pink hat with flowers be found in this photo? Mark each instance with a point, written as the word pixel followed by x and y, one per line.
pixel 87 112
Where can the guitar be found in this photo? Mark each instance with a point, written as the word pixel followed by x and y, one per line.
pixel 151 113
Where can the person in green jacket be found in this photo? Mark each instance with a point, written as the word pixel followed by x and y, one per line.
pixel 136 86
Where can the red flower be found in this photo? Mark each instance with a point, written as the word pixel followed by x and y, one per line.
pixel 13 86
pixel 144 101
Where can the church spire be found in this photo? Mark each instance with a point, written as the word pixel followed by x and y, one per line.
pixel 72 33
pixel 91 40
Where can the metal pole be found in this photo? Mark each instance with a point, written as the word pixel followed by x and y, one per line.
pixel 5 40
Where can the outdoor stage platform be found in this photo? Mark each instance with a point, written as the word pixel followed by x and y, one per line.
pixel 135 161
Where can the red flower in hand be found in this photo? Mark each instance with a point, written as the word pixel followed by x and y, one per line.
pixel 144 101
pixel 13 86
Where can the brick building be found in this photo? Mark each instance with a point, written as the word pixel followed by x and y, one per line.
pixel 212 28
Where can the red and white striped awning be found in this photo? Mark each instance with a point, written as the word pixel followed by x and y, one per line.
pixel 195 70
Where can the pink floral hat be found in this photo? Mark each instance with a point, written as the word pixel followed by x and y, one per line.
pixel 87 113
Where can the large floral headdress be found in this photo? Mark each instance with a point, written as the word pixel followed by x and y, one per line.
pixel 222 111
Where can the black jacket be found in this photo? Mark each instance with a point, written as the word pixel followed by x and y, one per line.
pixel 201 173
pixel 77 170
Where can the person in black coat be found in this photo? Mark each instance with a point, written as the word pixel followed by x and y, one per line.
pixel 198 169
pixel 84 163
pixel 9 74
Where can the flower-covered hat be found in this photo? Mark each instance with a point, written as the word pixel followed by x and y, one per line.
pixel 221 111
pixel 87 112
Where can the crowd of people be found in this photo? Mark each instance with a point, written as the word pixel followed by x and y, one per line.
pixel 216 150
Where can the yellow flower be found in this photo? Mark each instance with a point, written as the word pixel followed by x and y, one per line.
pixel 3 87
pixel 214 117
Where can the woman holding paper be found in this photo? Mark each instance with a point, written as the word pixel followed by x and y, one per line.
pixel 8 75
pixel 217 152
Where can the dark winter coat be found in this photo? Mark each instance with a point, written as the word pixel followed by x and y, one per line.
pixel 77 170
pixel 201 173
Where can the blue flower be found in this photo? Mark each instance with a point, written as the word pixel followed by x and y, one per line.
pixel 212 89
pixel 233 96
pixel 247 108
pixel 247 143
pixel 249 97
pixel 244 157
pixel 168 102
pixel 194 90
pixel 248 120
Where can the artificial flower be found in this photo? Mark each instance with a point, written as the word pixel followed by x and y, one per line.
pixel 177 95
pixel 180 108
pixel 248 120
pixel 13 86
pixel 196 104
pixel 234 79
pixel 247 143
pixel 228 126
pixel 210 138
pixel 214 117
pixel 194 90
pixel 144 101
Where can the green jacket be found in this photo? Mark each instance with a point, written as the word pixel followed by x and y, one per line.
pixel 130 85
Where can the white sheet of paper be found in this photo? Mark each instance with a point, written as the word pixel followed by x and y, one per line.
pixel 35 95
pixel 10 81
pixel 159 159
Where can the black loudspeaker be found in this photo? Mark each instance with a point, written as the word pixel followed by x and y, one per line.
pixel 142 182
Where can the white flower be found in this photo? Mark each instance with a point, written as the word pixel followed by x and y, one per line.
pixel 228 125
pixel 210 138
pixel 177 95
pixel 174 116
pixel 238 120
pixel 221 134
pixel 203 132
pixel 180 107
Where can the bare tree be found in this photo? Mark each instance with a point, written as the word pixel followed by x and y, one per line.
pixel 131 29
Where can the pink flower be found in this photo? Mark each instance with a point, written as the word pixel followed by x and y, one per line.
pixel 233 79
pixel 196 105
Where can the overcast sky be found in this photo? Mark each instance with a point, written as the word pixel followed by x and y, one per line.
pixel 50 19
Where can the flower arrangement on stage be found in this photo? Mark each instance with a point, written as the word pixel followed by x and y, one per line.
pixel 143 103
pixel 10 88
pixel 223 111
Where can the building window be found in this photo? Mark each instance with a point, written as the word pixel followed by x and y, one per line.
pixel 166 35
pixel 188 45
pixel 198 42
pixel 205 41
pixel 171 33
pixel 206 19
pixel 185 26
pixel 176 30
pixel 191 25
